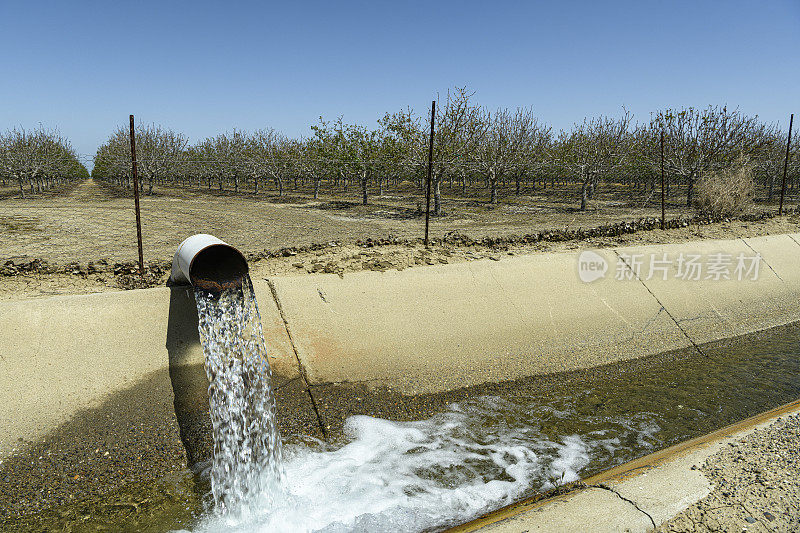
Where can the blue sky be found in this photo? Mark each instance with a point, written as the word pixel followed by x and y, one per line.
pixel 206 67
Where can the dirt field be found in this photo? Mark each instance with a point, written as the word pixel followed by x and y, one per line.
pixel 92 222
pixel 95 221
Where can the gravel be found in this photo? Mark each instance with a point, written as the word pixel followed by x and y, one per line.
pixel 756 484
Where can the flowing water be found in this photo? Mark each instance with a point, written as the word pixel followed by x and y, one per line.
pixel 490 446
pixel 417 476
pixel 488 450
pixel 247 468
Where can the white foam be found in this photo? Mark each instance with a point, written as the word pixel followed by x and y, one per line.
pixel 414 476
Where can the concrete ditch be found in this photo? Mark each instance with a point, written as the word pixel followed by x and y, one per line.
pixel 419 331
pixel 637 496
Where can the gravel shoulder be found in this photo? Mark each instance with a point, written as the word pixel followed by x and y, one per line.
pixel 756 485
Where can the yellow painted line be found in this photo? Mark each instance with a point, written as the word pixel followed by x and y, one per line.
pixel 629 469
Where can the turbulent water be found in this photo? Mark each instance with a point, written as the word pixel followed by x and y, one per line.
pixel 477 455
pixel 430 474
pixel 389 476
pixel 247 470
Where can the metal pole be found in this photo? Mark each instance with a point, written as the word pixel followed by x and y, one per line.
pixel 430 172
pixel 136 200
pixel 786 164
pixel 663 212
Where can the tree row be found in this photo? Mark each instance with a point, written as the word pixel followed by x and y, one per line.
pixel 472 147
pixel 37 160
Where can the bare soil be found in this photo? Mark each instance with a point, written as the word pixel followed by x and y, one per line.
pixel 85 233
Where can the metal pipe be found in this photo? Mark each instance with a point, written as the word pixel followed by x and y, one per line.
pixel 207 262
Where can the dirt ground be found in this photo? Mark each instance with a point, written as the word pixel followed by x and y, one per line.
pixel 86 232
pixel 757 485
pixel 92 220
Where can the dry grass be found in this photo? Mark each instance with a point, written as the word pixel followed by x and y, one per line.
pixel 727 193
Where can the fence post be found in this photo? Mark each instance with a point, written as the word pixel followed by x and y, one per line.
pixel 136 199
pixel 430 171
pixel 786 164
pixel 663 211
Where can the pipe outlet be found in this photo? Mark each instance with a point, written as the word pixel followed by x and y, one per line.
pixel 209 263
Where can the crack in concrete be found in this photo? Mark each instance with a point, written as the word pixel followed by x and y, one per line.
pixel 301 370
pixel 675 320
pixel 623 498
pixel 764 260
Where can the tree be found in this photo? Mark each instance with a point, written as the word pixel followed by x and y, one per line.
pixel 695 141
pixel 457 130
pixel 38 158
pixel 511 143
pixel 362 152
pixel 113 159
pixel 594 149
pixel 401 139
pixel 158 152
pixel 277 160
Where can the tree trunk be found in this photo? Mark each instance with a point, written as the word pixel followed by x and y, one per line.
pixel 364 188
pixel 689 191
pixel 583 196
pixel 316 189
pixel 437 197
pixel 493 185
pixel 769 190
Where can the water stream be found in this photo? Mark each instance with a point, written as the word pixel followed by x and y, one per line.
pixel 480 453
pixel 247 470
pixel 476 449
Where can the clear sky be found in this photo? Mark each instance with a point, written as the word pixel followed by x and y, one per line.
pixel 206 67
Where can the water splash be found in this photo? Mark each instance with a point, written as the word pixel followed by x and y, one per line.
pixel 247 470
pixel 425 475
pixel 431 474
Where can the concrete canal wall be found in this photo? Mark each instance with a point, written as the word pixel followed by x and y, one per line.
pixel 419 330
